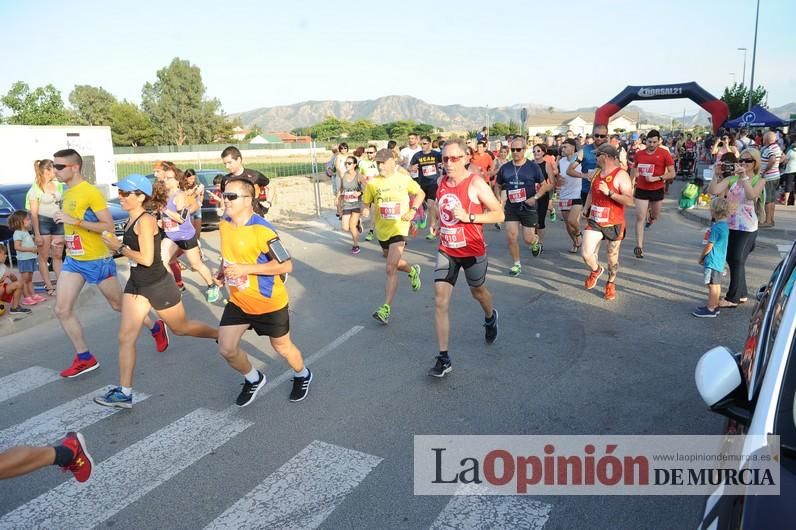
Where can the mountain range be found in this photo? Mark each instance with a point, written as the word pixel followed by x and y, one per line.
pixel 448 117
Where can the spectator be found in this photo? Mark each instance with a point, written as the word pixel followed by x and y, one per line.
pixel 714 257
pixel 789 175
pixel 770 158
pixel 722 145
pixel 43 200
pixel 10 286
pixel 19 222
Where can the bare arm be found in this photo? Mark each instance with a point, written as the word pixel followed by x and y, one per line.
pixel 494 212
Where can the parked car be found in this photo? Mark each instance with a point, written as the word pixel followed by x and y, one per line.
pixel 12 198
pixel 756 390
pixel 209 204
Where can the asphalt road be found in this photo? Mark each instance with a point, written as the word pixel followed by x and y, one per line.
pixel 566 362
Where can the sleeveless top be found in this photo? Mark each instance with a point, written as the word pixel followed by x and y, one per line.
pixel 571 187
pixel 49 203
pixel 351 201
pixel 543 168
pixel 174 230
pixel 604 210
pixel 458 239
pixel 141 274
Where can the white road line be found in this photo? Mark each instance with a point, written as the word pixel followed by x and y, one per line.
pixel 128 475
pixel 25 381
pixel 303 492
pixel 490 512
pixel 50 426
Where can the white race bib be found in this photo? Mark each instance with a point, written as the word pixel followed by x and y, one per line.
pixel 390 210
pixel 170 225
pixel 452 237
pixel 74 246
pixel 429 171
pixel 517 195
pixel 599 214
pixel 565 204
pixel 238 282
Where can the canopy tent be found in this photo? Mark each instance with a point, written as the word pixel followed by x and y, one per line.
pixel 757 117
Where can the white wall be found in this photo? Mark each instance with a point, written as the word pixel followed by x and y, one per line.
pixel 215 156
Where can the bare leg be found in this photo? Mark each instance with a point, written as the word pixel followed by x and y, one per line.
pixel 58 254
pixel 178 322
pixel 613 260
pixel 591 245
pixel 641 218
pixel 512 231
pixel 24 459
pixel 285 347
pixel 484 297
pixel 69 286
pixel 134 311
pixel 442 298
pixel 43 256
pixel 395 263
pixel 195 259
pixel 229 347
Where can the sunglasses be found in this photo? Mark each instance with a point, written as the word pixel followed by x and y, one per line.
pixel 349 163
pixel 452 159
pixel 371 152
pixel 124 194
pixel 231 196
pixel 517 149
pixel 600 135
pixel 746 161
pixel 61 167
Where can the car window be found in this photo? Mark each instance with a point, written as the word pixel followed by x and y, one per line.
pixel 5 204
pixel 785 418
pixel 17 197
pixel 207 178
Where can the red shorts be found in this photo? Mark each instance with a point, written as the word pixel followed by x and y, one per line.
pixel 5 296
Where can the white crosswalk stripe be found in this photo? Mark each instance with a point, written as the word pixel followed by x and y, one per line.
pixel 303 492
pixel 491 512
pixel 25 381
pixel 50 426
pixel 140 468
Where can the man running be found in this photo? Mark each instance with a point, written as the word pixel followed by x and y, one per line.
pixel 254 263
pixel 610 192
pixel 390 192
pixel 368 168
pixel 652 168
pixel 85 216
pixel 427 164
pixel 569 200
pixel 465 204
pixel 233 162
pixel 71 455
pixel 408 152
pixel 524 184
pixel 586 162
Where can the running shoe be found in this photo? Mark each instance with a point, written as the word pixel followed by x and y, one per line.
pixel 80 367
pixel 115 398
pixel 29 300
pixel 610 291
pixel 591 279
pixel 19 310
pixel 355 250
pixel 515 269
pixel 181 287
pixel 161 336
pixel 536 247
pixel 369 237
pixel 553 216
pixel 441 367
pixel 424 220
pixel 431 237
pixel 212 293
pixel 249 390
pixel 382 314
pixel 39 299
pixel 414 278
pixel 81 464
pixel 301 387
pixel 491 328
pixel 705 312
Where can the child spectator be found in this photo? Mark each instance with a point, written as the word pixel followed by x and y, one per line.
pixel 10 286
pixel 714 257
pixel 20 223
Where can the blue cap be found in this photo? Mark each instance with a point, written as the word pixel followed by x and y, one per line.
pixel 634 136
pixel 135 182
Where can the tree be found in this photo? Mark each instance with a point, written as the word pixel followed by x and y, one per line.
pixel 253 132
pixel 42 106
pixel 329 129
pixel 177 106
pixel 92 104
pixel 130 126
pixel 737 98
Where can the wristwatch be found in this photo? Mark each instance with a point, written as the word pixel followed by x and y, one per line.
pixel 413 208
pixel 472 218
pixel 120 250
pixel 610 193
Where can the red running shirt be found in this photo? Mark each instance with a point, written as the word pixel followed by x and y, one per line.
pixel 457 239
pixel 604 210
pixel 652 165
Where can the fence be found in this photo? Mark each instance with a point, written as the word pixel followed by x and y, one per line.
pixel 165 149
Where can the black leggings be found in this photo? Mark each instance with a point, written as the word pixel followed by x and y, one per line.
pixel 541 206
pixel 739 246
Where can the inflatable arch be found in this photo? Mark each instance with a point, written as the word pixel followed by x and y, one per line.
pixel 719 111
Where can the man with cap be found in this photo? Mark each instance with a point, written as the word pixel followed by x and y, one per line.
pixel 390 192
pixel 611 191
pixel 652 167
pixel 233 162
pixel 85 216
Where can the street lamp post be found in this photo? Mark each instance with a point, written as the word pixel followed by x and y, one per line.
pixel 754 55
pixel 743 78
pixel 733 78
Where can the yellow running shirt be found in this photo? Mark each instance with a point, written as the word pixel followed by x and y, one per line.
pixel 83 202
pixel 390 195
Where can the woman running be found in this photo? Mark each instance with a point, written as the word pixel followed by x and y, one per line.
pixel 349 196
pixel 548 171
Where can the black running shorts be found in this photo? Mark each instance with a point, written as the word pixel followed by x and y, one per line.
pixel 275 324
pixel 447 269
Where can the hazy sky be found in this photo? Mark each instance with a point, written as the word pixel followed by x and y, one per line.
pixel 255 54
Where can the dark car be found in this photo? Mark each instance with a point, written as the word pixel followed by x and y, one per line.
pixel 12 198
pixel 209 204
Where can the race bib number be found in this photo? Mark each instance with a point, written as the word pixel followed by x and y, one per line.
pixel 238 282
pixel 429 171
pixel 599 214
pixel 646 170
pixel 565 204
pixel 350 196
pixel 452 237
pixel 517 195
pixel 390 210
pixel 74 245
pixel 170 225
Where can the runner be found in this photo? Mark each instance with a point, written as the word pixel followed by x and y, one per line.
pixel 180 233
pixel 71 455
pixel 350 199
pixel 586 163
pixel 195 193
pixel 547 165
pixel 653 166
pixel 408 152
pixel 610 192
pixel 482 159
pixel 428 166
pixel 233 162
pixel 390 192
pixel 85 216
pixel 463 198
pixel 150 285
pixel 368 168
pixel 254 262
pixel 523 182
pixel 569 201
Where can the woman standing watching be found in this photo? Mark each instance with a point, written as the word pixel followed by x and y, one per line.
pixel 150 286
pixel 42 201
pixel 742 191
pixel 349 196
pixel 180 233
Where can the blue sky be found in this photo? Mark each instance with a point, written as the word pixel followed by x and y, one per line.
pixel 255 54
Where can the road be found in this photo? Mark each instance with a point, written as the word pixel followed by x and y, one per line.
pixel 566 362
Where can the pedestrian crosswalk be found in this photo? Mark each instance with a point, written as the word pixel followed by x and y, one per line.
pixel 302 492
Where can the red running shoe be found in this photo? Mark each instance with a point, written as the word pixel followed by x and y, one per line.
pixel 80 367
pixel 610 291
pixel 161 336
pixel 591 279
pixel 82 464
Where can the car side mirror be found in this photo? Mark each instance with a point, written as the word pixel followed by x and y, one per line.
pixel 718 380
pixel 5 212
